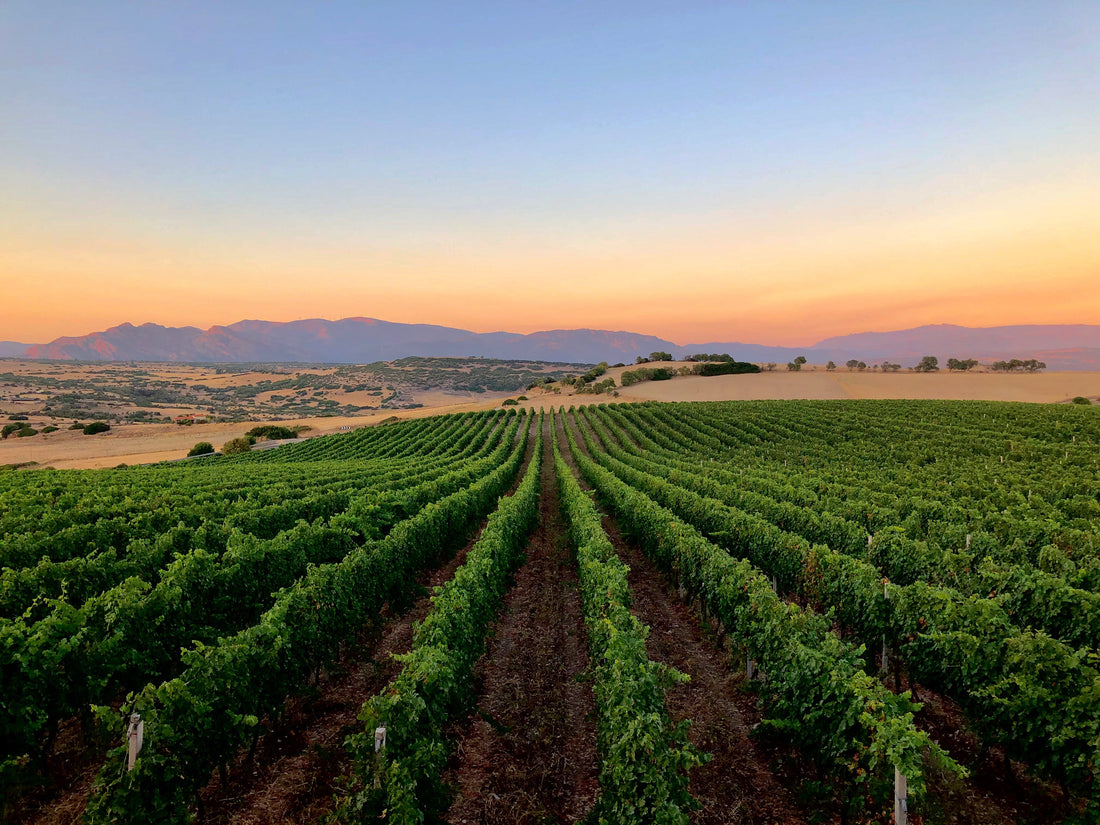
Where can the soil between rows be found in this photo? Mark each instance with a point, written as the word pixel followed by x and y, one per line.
pixel 528 754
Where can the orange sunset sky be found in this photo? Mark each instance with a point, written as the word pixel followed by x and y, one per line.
pixel 774 173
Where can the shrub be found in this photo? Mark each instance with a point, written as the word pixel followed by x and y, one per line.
pixel 49 428
pixel 1082 400
pixel 509 402
pixel 76 425
pixel 9 429
pixel 726 368
pixel 271 431
pixel 96 427
pixel 26 431
pixel 202 448
pixel 237 446
pixel 17 417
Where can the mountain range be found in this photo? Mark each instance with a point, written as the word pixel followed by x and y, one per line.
pixel 364 340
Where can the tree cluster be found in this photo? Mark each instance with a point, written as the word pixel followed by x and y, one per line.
pixel 713 356
pixel 657 355
pixel 796 364
pixel 961 364
pixel 1016 365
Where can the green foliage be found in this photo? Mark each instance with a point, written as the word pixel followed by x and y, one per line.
pixel 1080 399
pixel 9 429
pixel 201 448
pixel 236 446
pixel 630 377
pixel 726 368
pixel 961 364
pixel 796 364
pixel 1016 365
pixel 509 402
pixel 929 363
pixel 644 757
pixel 26 432
pixel 401 783
pixel 272 431
pixel 853 723
pixel 96 427
pixel 50 428
pixel 198 720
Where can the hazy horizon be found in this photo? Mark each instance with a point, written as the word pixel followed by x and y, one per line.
pixel 773 173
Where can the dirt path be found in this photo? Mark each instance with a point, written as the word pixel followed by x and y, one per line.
pixel 736 786
pixel 528 754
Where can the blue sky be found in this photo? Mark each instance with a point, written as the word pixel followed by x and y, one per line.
pixel 532 165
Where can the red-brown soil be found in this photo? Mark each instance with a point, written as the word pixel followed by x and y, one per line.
pixel 528 753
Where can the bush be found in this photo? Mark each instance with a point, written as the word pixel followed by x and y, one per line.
pixel 237 446
pixel 76 425
pixel 17 417
pixel 202 448
pixel 49 428
pixel 26 431
pixel 509 402
pixel 726 368
pixel 271 431
pixel 1082 401
pixel 96 427
pixel 9 429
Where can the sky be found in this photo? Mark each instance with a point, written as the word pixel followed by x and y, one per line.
pixel 768 172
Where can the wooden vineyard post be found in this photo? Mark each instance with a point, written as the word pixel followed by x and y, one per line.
pixel 379 746
pixel 750 668
pixel 901 798
pixel 885 652
pixel 135 736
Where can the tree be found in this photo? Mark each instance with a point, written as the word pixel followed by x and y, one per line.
pixel 202 448
pixel 96 427
pixel 961 365
pixel 660 356
pixel 851 364
pixel 237 446
pixel 861 366
pixel 796 364
pixel 830 366
pixel 888 367
pixel 929 363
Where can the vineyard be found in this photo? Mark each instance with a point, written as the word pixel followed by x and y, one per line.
pixel 795 612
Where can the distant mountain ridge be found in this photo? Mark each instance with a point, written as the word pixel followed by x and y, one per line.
pixel 12 349
pixel 364 340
